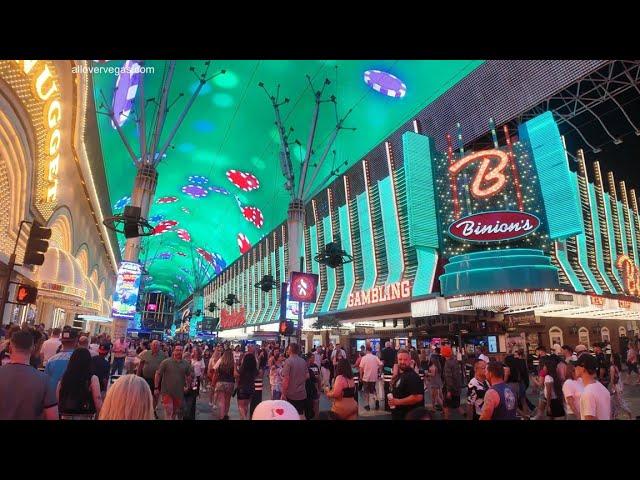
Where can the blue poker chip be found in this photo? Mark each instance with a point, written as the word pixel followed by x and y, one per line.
pixel 198 180
pixel 216 189
pixel 385 83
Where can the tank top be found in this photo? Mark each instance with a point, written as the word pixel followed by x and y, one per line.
pixel 506 410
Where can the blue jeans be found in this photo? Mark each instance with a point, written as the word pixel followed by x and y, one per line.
pixel 118 364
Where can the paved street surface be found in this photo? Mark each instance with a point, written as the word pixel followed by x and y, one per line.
pixel 205 412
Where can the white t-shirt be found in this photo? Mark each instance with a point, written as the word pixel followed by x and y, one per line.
pixel 572 388
pixel 549 379
pixel 595 401
pixel 236 356
pixel 49 348
pixel 93 349
pixel 198 367
pixel 370 365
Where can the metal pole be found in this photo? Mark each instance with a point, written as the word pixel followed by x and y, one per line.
pixel 300 316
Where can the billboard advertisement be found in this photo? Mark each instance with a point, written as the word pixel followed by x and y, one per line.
pixel 125 296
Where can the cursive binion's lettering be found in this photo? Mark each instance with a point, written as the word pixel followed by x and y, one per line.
pixel 469 227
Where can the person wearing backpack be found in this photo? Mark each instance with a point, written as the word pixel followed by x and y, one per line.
pixel 312 386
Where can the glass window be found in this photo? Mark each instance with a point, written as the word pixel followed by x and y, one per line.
pixel 583 336
pixel 555 336
pixel 604 332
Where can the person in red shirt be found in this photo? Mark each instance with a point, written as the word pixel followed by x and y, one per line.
pixel 119 354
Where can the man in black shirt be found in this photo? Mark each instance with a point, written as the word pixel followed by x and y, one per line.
pixel 100 367
pixel 408 389
pixel 603 365
pixel 313 387
pixel 388 356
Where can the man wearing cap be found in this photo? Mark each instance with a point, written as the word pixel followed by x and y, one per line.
pixel 57 364
pixel 100 367
pixel 595 400
pixel 581 350
pixel 25 392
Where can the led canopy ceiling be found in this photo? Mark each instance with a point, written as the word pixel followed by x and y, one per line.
pixel 220 186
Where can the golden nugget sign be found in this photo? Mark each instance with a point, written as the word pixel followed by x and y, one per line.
pixel 383 293
pixel 630 275
pixel 45 88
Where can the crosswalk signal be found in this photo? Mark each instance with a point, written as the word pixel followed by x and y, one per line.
pixel 37 244
pixel 285 328
pixel 26 294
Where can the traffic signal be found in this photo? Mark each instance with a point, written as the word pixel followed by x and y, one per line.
pixel 285 328
pixel 26 294
pixel 37 244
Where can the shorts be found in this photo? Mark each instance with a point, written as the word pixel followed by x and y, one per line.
pixel 245 394
pixel 369 387
pixel 175 402
pixel 453 402
pixel 225 387
pixel 299 404
pixel 633 367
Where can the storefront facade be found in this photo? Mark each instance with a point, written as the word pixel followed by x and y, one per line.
pixel 51 172
pixel 453 243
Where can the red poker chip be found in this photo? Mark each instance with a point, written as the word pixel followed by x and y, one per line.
pixel 245 181
pixel 163 227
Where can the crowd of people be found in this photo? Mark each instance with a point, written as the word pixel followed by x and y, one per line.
pixel 69 375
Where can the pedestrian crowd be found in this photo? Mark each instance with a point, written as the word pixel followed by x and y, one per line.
pixel 68 375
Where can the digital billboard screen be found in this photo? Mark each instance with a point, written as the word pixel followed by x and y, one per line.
pixel 125 297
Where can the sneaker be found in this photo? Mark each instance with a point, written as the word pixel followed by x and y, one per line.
pixel 367 408
pixel 377 404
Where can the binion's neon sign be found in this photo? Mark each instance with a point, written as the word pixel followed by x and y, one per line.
pixel 488 181
pixel 630 274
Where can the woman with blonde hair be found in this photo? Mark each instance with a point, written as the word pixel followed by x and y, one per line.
pixel 129 398
pixel 225 382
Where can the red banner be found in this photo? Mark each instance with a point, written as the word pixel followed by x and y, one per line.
pixel 232 319
pixel 494 226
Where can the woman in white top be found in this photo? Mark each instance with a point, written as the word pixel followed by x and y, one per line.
pixel 131 361
pixel 198 367
pixel 553 391
pixel 572 389
pixel 616 387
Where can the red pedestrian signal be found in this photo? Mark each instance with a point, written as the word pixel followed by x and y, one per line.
pixel 26 294
pixel 285 328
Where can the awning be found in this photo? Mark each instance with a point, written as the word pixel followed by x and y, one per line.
pixel 95 318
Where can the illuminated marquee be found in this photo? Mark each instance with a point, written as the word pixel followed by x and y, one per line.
pixel 630 275
pixel 382 293
pixel 487 181
pixel 45 88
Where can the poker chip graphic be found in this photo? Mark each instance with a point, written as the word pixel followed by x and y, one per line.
pixel 156 218
pixel 165 256
pixel 243 243
pixel 216 189
pixel 251 214
pixel 125 93
pixel 120 204
pixel 243 180
pixel 183 235
pixel 198 180
pixel 206 255
pixel 195 191
pixel 163 200
pixel 163 227
pixel 385 83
